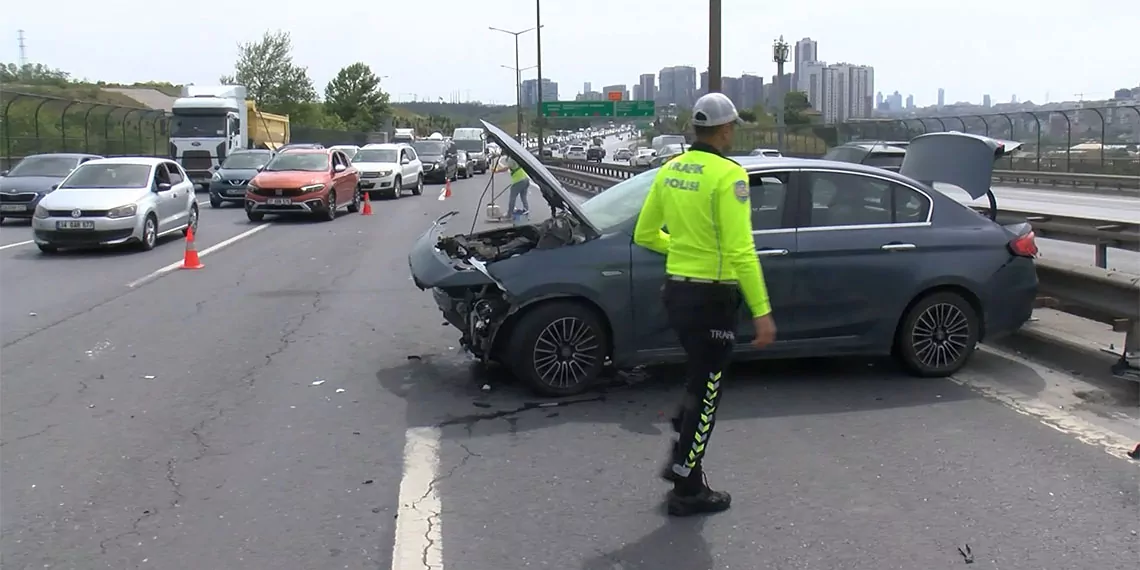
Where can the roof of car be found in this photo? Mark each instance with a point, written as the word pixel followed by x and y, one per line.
pixel 777 163
pixel 385 146
pixel 68 155
pixel 880 147
pixel 308 150
pixel 144 160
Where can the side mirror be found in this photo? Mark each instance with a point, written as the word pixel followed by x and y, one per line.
pixel 405 161
pixel 339 168
pixel 54 186
pixel 260 168
pixel 163 187
pixel 3 173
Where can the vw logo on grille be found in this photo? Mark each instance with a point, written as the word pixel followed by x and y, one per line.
pixel 76 213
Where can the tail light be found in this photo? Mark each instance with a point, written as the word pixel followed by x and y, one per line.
pixel 1024 245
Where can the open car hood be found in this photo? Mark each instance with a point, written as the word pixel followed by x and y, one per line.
pixel 552 190
pixel 960 159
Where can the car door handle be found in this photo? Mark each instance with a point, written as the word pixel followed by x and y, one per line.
pixel 771 252
pixel 898 247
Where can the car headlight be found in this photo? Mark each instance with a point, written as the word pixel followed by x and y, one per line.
pixel 123 211
pixel 252 186
pixel 312 187
pixel 384 173
pixel 217 177
pixel 41 212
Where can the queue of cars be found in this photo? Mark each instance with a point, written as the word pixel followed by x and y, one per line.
pixel 832 237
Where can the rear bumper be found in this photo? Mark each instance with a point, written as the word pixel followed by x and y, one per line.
pixel 1012 295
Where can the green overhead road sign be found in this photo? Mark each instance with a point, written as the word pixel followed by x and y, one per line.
pixel 598 108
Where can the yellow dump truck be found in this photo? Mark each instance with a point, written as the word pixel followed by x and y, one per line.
pixel 266 130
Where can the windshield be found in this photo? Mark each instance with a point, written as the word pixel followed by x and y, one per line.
pixel 98 176
pixel 198 126
pixel 429 148
pixel 376 155
pixel 471 145
pixel 247 160
pixel 350 152
pixel 45 165
pixel 304 161
pixel 619 203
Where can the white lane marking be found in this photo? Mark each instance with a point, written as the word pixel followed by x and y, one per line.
pixel 203 202
pixel 173 266
pixel 1051 414
pixel 419 533
pixel 17 244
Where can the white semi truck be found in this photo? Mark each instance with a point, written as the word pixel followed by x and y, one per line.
pixel 210 122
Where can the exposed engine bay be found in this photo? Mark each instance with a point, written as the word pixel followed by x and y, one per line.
pixel 497 245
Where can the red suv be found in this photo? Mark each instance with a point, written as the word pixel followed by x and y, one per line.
pixel 303 181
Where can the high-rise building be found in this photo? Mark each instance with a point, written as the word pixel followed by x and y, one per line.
pixel 780 84
pixel 703 88
pixel 986 102
pixel 587 87
pixel 612 88
pixel 647 81
pixel 530 91
pixel 677 85
pixel 637 94
pixel 809 81
pixel 806 50
pixel 941 97
pixel 848 92
pixel 895 101
pixel 732 88
pixel 909 102
pixel 752 91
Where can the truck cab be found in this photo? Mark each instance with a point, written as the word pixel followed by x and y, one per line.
pixel 208 124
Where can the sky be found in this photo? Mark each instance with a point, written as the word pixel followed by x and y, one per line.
pixel 1036 49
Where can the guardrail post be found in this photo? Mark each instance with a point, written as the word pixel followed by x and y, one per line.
pixel 1100 254
pixel 1131 354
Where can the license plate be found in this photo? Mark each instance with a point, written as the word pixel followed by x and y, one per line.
pixel 74 225
pixel 367 184
pixel 13 208
pixel 280 201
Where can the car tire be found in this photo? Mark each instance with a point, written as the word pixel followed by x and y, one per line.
pixel 215 202
pixel 354 207
pixel 254 216
pixel 193 221
pixel 330 209
pixel 535 359
pixel 48 249
pixel 397 189
pixel 418 189
pixel 937 335
pixel 150 233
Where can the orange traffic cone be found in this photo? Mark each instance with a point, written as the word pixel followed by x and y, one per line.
pixel 190 260
pixel 367 206
pixel 446 192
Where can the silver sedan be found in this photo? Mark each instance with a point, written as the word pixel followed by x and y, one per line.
pixel 114 201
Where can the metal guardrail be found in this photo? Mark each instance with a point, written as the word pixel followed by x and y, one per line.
pixel 1091 292
pixel 1127 185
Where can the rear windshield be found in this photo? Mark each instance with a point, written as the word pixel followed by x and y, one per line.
pixel 45 165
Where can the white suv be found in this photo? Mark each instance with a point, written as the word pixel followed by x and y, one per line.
pixel 576 152
pixel 389 169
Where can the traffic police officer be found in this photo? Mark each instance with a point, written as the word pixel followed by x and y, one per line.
pixel 702 199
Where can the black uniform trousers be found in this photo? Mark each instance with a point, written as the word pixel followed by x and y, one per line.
pixel 704 316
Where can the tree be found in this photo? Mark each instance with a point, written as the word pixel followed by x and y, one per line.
pixel 266 69
pixel 33 74
pixel 354 96
pixel 796 107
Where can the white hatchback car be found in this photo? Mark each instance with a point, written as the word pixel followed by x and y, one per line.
pixel 389 169
pixel 576 152
pixel 112 201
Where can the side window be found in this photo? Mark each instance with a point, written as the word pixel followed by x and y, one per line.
pixel 161 176
pixel 175 173
pixel 336 160
pixel 844 199
pixel 909 206
pixel 769 191
pixel 411 153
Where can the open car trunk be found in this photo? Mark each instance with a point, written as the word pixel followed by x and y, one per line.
pixel 960 159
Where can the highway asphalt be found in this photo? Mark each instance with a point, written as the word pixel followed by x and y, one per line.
pixel 297 403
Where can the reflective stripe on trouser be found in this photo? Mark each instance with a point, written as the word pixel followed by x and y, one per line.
pixel 704 316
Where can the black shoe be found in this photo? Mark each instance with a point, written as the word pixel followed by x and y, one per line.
pixel 703 501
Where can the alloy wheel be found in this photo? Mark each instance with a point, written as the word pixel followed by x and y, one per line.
pixel 940 335
pixel 563 352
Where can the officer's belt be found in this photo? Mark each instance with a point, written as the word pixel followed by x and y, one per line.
pixel 684 279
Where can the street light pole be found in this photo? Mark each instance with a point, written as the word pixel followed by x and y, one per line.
pixel 538 32
pixel 518 77
pixel 714 47
pixel 780 56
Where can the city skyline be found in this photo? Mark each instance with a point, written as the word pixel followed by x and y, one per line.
pixel 575 50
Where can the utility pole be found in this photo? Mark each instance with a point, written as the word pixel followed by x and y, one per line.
pixel 780 56
pixel 518 79
pixel 23 49
pixel 539 119
pixel 714 47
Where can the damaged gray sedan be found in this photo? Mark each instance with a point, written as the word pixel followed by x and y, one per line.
pixel 857 260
